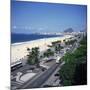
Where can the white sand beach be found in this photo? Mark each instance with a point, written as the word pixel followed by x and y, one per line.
pixel 19 50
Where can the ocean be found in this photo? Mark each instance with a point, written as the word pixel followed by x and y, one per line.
pixel 16 38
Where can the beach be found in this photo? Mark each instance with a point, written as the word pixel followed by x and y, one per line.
pixel 19 50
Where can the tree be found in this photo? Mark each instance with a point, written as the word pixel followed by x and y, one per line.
pixel 33 57
pixel 70 42
pixel 74 71
pixel 37 56
pixel 48 53
pixel 56 42
pixel 64 40
pixel 28 49
pixel 58 47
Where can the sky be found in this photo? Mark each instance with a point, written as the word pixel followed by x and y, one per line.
pixel 35 17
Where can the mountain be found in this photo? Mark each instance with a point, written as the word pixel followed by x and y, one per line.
pixel 69 30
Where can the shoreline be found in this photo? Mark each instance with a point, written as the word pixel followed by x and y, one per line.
pixel 19 43
pixel 19 50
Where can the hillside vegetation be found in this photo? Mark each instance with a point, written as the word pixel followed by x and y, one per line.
pixel 74 71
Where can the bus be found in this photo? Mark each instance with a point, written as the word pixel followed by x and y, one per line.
pixel 58 59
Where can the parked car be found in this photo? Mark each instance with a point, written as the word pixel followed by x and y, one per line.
pixel 57 74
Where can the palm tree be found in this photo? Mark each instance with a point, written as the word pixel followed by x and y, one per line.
pixel 56 49
pixel 64 40
pixel 28 49
pixel 48 53
pixel 57 45
pixel 30 58
pixel 36 49
pixel 56 42
pixel 33 57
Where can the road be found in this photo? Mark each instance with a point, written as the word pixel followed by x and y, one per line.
pixel 36 83
pixel 40 80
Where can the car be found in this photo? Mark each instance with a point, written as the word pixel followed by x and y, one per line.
pixel 32 68
pixel 61 81
pixel 57 74
pixel 47 86
pixel 43 69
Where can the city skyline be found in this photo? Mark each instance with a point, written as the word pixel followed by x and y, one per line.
pixel 31 17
